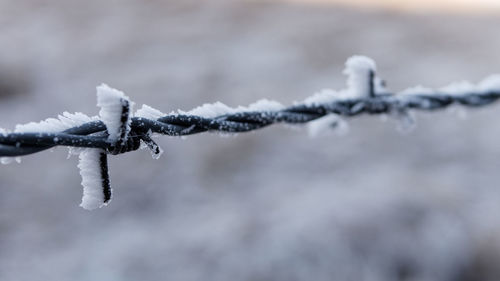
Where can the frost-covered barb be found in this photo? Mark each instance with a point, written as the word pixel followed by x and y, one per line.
pixel 116 114
pixel 116 130
pixel 93 165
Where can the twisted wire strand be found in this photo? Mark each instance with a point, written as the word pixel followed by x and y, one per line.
pixel 115 131
pixel 94 135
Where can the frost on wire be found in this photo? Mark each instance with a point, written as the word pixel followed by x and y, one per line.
pixel 93 165
pixel 115 113
pixel 116 130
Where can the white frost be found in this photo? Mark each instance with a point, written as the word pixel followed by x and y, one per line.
pixel 52 125
pixel 325 96
pixel 148 112
pixel 326 124
pixel 261 105
pixel 212 110
pixel 406 121
pixel 459 88
pixel 209 110
pixel 8 160
pixel 92 181
pixel 111 102
pixel 5 160
pixel 490 83
pixel 419 89
pixel 358 69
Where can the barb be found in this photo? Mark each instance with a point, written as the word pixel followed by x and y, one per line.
pixel 116 131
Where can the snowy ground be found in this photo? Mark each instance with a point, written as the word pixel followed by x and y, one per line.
pixel 271 205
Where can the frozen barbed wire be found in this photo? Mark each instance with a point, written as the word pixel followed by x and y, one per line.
pixel 118 131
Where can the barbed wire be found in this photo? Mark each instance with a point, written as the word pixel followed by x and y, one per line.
pixel 94 134
pixel 117 132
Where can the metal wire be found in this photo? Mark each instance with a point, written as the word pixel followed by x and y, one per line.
pixel 94 134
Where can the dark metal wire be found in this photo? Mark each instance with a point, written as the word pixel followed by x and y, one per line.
pixel 94 134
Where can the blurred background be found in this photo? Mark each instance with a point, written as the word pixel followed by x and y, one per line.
pixel 275 204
